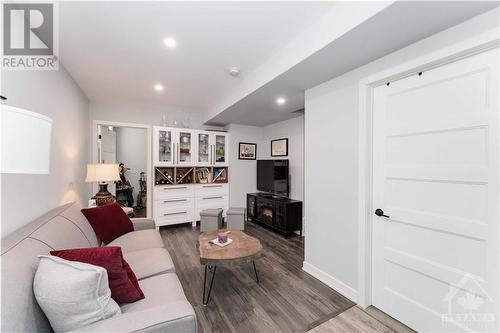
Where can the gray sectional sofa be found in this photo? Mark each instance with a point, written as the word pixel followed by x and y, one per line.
pixel 164 308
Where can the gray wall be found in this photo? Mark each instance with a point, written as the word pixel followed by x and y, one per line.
pixel 56 95
pixel 331 156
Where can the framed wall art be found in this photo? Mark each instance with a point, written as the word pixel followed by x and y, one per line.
pixel 247 151
pixel 279 147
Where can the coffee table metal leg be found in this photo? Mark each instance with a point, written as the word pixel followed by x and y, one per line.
pixel 255 270
pixel 205 302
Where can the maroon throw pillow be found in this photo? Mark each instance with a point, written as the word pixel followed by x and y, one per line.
pixel 109 221
pixel 122 280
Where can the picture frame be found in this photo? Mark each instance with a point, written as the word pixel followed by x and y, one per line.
pixel 247 151
pixel 279 147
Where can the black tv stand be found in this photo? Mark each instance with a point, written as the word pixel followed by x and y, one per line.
pixel 279 213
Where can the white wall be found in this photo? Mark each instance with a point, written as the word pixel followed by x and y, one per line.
pixel 242 173
pixel 132 150
pixel 56 95
pixel 293 129
pixel 144 115
pixel 331 158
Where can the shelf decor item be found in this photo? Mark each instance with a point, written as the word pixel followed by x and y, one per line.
pixel 25 138
pixel 102 173
pixel 219 175
pixel 247 151
pixel 279 147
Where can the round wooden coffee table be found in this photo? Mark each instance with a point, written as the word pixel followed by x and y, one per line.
pixel 243 250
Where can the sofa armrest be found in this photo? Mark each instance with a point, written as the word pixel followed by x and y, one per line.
pixel 175 317
pixel 143 224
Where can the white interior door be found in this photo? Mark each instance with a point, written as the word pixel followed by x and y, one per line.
pixel 107 144
pixel 107 151
pixel 436 175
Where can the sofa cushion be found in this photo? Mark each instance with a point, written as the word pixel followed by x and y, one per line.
pixel 138 240
pixel 141 224
pixel 158 290
pixel 122 280
pixel 72 294
pixel 172 317
pixel 149 262
pixel 109 221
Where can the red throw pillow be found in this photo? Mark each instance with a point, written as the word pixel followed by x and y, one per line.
pixel 122 280
pixel 109 221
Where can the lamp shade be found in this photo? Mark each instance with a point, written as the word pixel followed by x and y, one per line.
pixel 25 141
pixel 102 172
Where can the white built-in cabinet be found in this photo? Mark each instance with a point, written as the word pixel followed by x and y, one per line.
pixel 173 146
pixel 177 150
pixel 188 147
pixel 212 148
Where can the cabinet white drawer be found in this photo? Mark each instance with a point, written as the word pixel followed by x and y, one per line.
pixel 174 203
pixel 173 191
pixel 205 190
pixel 174 217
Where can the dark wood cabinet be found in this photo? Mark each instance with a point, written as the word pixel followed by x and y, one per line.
pixel 281 214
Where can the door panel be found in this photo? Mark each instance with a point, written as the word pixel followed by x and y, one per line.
pixel 185 147
pixel 203 152
pixel 164 154
pixel 426 148
pixel 220 149
pixel 464 201
pixel 435 173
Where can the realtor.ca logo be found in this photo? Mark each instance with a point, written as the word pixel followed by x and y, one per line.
pixel 30 36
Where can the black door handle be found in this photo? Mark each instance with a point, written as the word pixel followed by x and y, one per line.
pixel 380 212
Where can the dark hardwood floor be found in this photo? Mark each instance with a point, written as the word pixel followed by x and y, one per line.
pixel 286 300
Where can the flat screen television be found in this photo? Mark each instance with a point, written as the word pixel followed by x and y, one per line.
pixel 272 176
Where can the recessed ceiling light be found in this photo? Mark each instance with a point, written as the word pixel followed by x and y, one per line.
pixel 170 42
pixel 158 87
pixel 280 101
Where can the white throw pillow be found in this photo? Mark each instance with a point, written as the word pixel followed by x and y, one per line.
pixel 72 294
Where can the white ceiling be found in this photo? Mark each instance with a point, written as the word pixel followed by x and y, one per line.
pixel 393 28
pixel 114 50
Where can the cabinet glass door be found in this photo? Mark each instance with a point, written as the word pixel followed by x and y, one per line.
pixel 185 147
pixel 165 153
pixel 203 148
pixel 220 149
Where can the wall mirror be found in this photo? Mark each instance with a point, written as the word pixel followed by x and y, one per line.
pixel 128 145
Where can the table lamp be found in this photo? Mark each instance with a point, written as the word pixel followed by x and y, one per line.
pixel 102 173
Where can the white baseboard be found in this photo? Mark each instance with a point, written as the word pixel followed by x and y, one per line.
pixel 331 282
